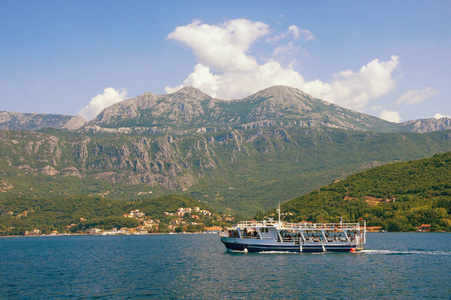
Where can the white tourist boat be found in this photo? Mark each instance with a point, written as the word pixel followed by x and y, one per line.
pixel 258 236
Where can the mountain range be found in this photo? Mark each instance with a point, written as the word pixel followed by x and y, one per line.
pixel 190 109
pixel 283 106
pixel 238 156
pixel 32 121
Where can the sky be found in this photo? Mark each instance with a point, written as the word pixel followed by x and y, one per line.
pixel 389 59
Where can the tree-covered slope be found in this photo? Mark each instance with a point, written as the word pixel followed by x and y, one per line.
pixel 399 196
pixel 235 171
pixel 18 215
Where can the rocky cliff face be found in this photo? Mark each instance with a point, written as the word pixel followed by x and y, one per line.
pixel 134 160
pixel 184 108
pixel 74 123
pixel 24 121
pixel 254 168
pixel 190 109
pixel 426 125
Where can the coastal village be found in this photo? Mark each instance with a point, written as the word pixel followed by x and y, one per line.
pixel 184 220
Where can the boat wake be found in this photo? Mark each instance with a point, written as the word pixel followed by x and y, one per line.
pixel 235 251
pixel 407 252
pixel 277 252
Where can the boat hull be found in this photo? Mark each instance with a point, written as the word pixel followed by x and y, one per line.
pixel 235 244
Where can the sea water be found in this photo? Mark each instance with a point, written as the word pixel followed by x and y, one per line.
pixel 393 266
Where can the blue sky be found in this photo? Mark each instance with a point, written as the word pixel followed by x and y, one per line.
pixel 390 59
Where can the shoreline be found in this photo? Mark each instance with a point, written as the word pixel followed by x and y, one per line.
pixel 84 234
pixel 171 233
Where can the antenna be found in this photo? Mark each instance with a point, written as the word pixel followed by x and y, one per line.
pixel 278 211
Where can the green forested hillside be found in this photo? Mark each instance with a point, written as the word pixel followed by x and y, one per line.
pixel 273 169
pixel 18 215
pixel 234 171
pixel 421 191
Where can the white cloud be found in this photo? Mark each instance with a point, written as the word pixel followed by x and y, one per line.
pixel 390 115
pixel 201 78
pixel 224 48
pixel 439 116
pixel 294 32
pixel 416 96
pixel 297 32
pixel 355 89
pixel 286 50
pixel 101 101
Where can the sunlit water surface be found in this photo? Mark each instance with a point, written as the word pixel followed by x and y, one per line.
pixel 394 266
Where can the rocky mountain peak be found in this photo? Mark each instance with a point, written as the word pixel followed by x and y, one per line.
pixel 190 108
pixel 34 121
pixel 191 92
pixel 426 125
pixel 281 92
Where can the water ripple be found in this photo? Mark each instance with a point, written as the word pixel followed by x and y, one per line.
pixel 394 266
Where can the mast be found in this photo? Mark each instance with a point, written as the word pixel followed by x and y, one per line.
pixel 278 212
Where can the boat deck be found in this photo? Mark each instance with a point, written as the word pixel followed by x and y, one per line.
pixel 301 225
pixel 256 236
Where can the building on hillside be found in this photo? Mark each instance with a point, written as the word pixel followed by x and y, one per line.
pixel 149 223
pixel 374 228
pixel 94 231
pixel 425 228
pixel 136 214
pixel 213 229
pixel 183 211
pixel 33 232
pixel 141 230
pixel 176 222
pixel 125 230
pixel 23 214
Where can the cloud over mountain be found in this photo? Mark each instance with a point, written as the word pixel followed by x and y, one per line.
pixel 416 96
pixel 109 97
pixel 440 116
pixel 227 70
pixel 390 115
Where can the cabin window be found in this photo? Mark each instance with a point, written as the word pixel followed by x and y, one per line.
pixel 336 236
pixel 233 233
pixel 313 236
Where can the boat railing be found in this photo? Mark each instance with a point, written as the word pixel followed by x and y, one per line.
pixel 298 239
pixel 284 225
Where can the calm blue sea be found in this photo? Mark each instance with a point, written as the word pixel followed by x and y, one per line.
pixel 394 266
